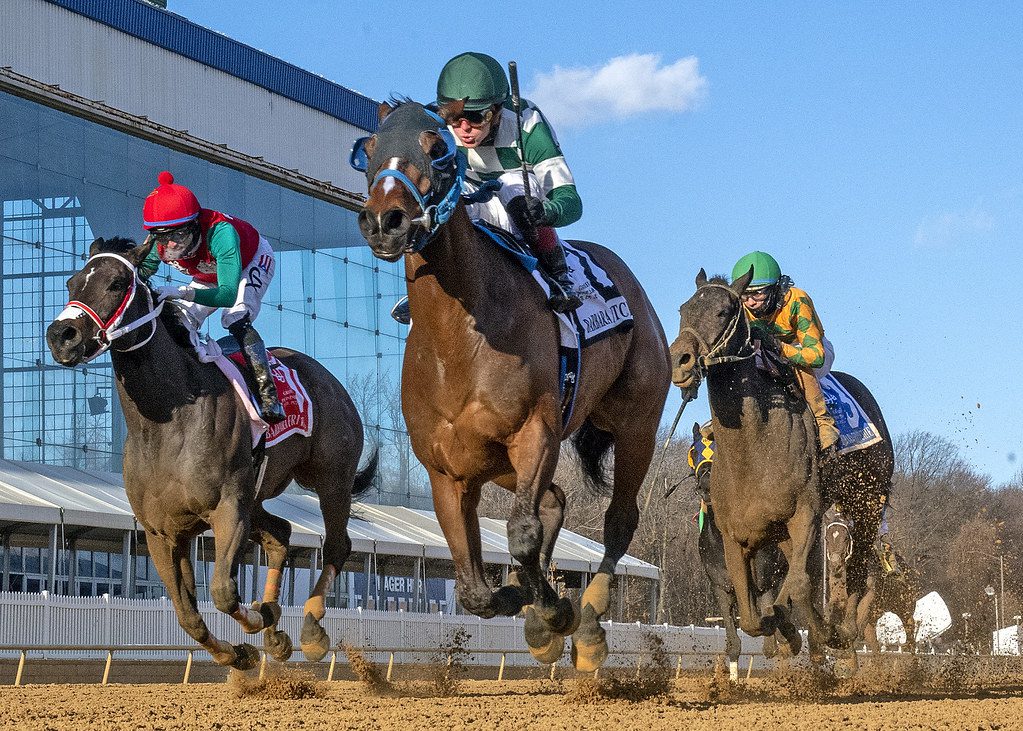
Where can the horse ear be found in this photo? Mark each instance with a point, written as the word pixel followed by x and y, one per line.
pixel 740 284
pixel 696 432
pixel 451 110
pixel 383 110
pixel 433 144
pixel 96 245
pixel 701 278
pixel 140 252
pixel 369 146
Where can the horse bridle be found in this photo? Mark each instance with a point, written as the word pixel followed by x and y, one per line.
pixel 109 331
pixel 433 214
pixel 711 355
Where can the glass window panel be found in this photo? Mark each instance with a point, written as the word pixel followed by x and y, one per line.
pixel 32 563
pixel 84 563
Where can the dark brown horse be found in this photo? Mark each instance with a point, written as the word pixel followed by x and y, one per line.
pixel 767 484
pixel 480 385
pixel 188 456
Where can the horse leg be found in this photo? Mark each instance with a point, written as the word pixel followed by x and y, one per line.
pixel 733 645
pixel 634 446
pixel 535 519
pixel 175 569
pixel 455 502
pixel 231 530
pixel 273 534
pixel 737 561
pixel 803 529
pixel 786 640
pixel 334 493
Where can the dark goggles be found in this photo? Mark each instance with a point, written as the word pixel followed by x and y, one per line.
pixel 475 118
pixel 176 241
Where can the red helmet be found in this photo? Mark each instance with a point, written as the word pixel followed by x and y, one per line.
pixel 169 204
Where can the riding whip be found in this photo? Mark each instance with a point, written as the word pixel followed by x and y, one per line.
pixel 513 75
pixel 664 451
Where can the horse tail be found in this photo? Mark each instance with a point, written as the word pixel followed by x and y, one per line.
pixel 592 444
pixel 364 477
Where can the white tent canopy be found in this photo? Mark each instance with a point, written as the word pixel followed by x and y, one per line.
pixel 37 494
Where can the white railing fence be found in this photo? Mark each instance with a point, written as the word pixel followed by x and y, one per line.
pixel 43 619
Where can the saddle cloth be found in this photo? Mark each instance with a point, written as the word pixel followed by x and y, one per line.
pixel 855 429
pixel 298 407
pixel 604 310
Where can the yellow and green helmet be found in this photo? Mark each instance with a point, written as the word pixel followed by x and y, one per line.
pixel 766 270
pixel 475 77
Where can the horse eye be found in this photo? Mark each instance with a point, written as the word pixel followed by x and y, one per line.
pixel 724 313
pixel 116 285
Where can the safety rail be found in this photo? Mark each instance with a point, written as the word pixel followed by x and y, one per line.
pixel 450 653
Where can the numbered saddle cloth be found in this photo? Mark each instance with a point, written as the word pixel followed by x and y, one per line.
pixel 298 408
pixel 604 310
pixel 855 429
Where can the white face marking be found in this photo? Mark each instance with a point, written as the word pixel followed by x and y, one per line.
pixel 92 270
pixel 71 312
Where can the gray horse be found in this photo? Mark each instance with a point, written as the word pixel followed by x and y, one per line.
pixel 767 484
pixel 188 456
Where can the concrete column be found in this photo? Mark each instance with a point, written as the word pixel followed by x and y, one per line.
pixel 655 590
pixel 72 570
pixel 313 562
pixel 5 562
pixel 127 567
pixel 51 578
pixel 290 574
pixel 367 572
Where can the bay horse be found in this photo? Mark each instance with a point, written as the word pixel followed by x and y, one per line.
pixel 895 593
pixel 767 484
pixel 480 384
pixel 188 455
pixel 769 568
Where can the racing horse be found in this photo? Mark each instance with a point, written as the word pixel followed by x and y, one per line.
pixel 769 565
pixel 480 383
pixel 188 456
pixel 895 593
pixel 767 485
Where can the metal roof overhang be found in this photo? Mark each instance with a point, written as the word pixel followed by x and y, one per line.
pixel 40 494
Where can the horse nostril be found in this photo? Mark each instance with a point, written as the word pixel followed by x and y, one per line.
pixel 394 222
pixel 367 223
pixel 685 359
pixel 70 336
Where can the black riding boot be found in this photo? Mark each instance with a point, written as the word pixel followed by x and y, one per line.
pixel 564 295
pixel 255 356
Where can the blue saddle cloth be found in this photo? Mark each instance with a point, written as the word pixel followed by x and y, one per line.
pixel 855 429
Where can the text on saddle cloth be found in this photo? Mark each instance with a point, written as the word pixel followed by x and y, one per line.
pixel 604 310
pixel 856 430
pixel 298 407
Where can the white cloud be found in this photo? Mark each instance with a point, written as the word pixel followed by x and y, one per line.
pixel 623 87
pixel 953 227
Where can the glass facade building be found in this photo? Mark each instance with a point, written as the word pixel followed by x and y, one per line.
pixel 65 180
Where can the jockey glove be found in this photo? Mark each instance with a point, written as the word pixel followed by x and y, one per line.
pixel 174 292
pixel 528 212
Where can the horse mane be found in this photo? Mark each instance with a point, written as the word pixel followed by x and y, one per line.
pixel 719 279
pixel 115 245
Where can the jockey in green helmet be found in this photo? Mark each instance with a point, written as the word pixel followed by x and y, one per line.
pixel 774 304
pixel 473 98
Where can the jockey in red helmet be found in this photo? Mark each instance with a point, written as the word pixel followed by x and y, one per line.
pixel 231 267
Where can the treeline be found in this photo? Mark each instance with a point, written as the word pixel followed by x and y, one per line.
pixel 949 522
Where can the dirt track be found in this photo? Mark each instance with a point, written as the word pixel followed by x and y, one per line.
pixel 478 705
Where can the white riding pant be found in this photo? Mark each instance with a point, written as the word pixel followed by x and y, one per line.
pixel 255 282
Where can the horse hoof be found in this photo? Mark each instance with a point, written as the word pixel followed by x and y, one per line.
pixel 846 664
pixel 589 643
pixel 269 611
pixel 586 657
pixel 246 657
pixel 566 617
pixel 277 644
pixel 509 600
pixel 544 645
pixel 314 639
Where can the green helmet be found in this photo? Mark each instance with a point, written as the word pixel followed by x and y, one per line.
pixel 765 269
pixel 475 77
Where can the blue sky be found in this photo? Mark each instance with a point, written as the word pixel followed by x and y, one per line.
pixel 875 149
